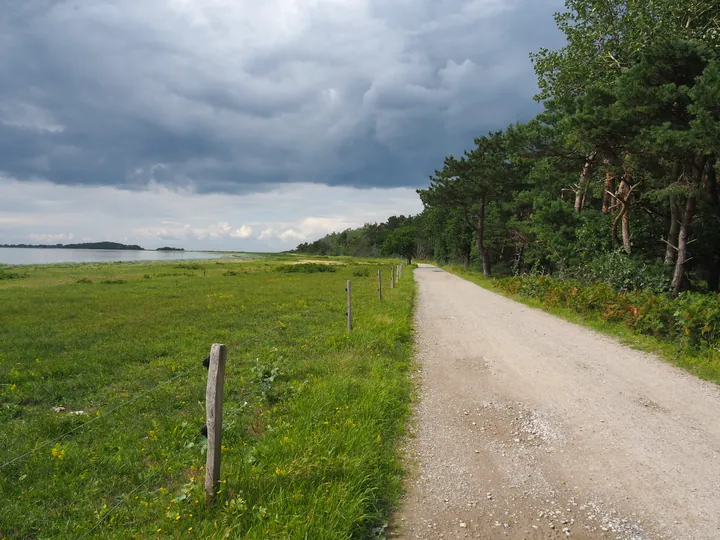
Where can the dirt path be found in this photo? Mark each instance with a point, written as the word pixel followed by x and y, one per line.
pixel 530 427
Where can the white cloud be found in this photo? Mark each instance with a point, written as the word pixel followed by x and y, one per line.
pixel 42 212
pixel 51 238
pixel 266 234
pixel 242 232
pixel 28 116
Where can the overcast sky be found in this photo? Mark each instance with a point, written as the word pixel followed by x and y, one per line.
pixel 246 124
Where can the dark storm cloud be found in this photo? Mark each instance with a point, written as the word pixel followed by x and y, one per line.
pixel 234 96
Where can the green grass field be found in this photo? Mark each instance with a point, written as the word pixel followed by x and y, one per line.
pixel 313 416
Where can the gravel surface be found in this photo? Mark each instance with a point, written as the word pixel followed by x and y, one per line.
pixel 530 427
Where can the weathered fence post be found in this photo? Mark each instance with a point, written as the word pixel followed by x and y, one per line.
pixel 349 305
pixel 392 276
pixel 213 406
pixel 379 284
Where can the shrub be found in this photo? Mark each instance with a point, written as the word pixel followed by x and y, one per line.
pixel 230 273
pixel 84 280
pixel 113 281
pixel 306 268
pixel 362 273
pixel 189 266
pixel 4 274
pixel 624 273
pixel 691 319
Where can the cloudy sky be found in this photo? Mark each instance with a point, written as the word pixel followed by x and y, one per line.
pixel 246 124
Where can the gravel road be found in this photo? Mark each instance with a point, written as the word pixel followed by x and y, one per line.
pixel 530 427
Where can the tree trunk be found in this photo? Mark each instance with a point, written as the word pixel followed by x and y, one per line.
pixel 625 189
pixel 671 249
pixel 678 281
pixel 609 188
pixel 482 251
pixel 623 199
pixel 712 187
pixel 583 184
pixel 714 275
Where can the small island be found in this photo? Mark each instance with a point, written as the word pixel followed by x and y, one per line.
pixel 86 245
pixel 169 249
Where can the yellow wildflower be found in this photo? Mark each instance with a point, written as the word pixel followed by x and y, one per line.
pixel 58 452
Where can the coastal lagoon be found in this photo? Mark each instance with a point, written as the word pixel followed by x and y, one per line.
pixel 51 256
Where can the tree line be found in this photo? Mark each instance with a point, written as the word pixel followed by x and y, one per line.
pixel 616 178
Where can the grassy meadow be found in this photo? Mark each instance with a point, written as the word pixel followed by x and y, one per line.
pixel 107 358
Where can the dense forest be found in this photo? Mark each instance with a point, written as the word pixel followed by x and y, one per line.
pixel 615 180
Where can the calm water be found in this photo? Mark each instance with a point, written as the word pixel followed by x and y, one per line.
pixel 50 256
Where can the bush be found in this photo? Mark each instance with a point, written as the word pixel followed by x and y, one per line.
pixel 306 268
pixel 113 281
pixel 230 273
pixel 189 266
pixel 625 273
pixel 362 273
pixel 84 280
pixel 4 274
pixel 691 319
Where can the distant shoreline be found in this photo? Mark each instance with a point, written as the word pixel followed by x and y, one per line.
pixel 86 245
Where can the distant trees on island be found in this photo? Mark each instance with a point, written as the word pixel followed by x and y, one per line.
pixel 87 245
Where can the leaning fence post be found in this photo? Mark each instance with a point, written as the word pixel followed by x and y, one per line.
pixel 392 276
pixel 349 305
pixel 213 406
pixel 380 284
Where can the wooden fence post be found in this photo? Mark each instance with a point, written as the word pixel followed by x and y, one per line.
pixel 349 305
pixel 379 284
pixel 213 406
pixel 392 276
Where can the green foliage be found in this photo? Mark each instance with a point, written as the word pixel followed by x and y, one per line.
pixel 190 266
pixel 401 242
pixel 6 275
pixel 117 281
pixel 306 268
pixel 624 273
pixel 691 319
pixel 366 241
pixel 364 272
pixel 84 280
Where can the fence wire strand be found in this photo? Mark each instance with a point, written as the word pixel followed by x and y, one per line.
pixel 103 415
pixel 120 503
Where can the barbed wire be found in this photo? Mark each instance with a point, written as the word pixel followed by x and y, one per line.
pixel 103 415
pixel 120 503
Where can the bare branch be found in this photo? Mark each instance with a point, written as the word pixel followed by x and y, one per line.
pixel 669 244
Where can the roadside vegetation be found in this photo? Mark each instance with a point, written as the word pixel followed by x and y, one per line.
pixel 107 359
pixel 685 330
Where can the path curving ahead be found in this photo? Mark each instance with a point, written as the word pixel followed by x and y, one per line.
pixel 530 427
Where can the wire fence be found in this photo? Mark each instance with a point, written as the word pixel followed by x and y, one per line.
pixel 331 299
